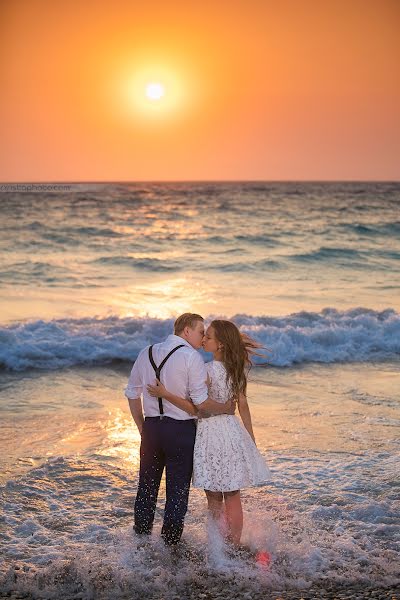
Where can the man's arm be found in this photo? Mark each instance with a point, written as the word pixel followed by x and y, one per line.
pixel 133 392
pixel 158 390
pixel 206 408
pixel 199 403
pixel 135 405
pixel 211 407
pixel 198 390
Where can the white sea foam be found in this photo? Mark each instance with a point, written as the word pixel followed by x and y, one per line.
pixel 328 517
pixel 330 336
pixel 66 535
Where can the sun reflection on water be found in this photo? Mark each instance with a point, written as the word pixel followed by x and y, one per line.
pixel 123 439
pixel 164 298
pixel 174 224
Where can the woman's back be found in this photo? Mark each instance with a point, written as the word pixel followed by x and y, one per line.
pixel 218 387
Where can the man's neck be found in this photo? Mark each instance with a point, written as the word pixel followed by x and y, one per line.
pixel 183 338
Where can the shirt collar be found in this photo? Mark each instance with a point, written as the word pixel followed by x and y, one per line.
pixel 178 340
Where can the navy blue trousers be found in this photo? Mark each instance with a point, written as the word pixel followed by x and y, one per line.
pixel 165 443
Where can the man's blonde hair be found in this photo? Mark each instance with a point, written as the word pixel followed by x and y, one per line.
pixel 186 320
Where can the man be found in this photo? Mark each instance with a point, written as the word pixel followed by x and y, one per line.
pixel 167 432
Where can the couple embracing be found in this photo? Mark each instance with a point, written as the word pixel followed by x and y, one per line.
pixel 187 425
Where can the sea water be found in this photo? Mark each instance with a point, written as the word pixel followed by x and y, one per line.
pixel 92 275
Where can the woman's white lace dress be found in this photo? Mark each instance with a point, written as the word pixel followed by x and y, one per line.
pixel 225 457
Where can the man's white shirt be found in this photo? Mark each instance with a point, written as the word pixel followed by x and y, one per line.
pixel 184 374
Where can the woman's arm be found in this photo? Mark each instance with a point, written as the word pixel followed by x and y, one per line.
pixel 159 391
pixel 245 415
pixel 208 406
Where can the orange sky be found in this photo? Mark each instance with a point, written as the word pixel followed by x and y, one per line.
pixel 254 90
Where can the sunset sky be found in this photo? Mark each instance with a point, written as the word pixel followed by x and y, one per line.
pixel 245 89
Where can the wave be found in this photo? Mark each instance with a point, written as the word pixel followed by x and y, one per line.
pixel 30 273
pixel 49 232
pixel 349 258
pixel 391 229
pixel 142 263
pixel 330 336
pixel 242 267
pixel 157 265
pixel 330 254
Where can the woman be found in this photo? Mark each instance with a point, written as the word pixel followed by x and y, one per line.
pixel 225 457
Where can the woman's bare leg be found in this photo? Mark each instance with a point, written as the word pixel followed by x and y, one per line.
pixel 216 511
pixel 234 516
pixel 215 504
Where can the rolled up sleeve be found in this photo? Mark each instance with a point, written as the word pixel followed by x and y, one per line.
pixel 198 390
pixel 135 383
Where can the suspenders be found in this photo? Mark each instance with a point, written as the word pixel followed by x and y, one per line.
pixel 157 371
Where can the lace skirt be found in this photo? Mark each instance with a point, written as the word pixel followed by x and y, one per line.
pixel 225 457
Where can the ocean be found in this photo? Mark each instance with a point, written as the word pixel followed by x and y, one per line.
pixel 92 274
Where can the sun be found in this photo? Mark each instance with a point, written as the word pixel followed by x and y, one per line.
pixel 152 93
pixel 155 91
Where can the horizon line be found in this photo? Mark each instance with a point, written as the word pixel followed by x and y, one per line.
pixel 116 181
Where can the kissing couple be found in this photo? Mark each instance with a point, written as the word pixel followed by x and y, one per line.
pixel 187 425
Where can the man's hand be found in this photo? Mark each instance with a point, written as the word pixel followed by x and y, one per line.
pixel 135 405
pixel 230 407
pixel 212 408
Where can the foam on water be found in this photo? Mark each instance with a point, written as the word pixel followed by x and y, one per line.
pixel 329 516
pixel 330 336
pixel 67 528
pixel 69 460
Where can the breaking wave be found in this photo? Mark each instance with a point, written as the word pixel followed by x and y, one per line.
pixel 356 335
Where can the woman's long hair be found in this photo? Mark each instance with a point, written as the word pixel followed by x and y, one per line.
pixel 237 352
